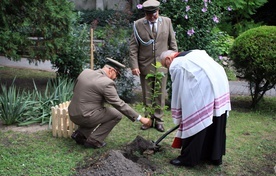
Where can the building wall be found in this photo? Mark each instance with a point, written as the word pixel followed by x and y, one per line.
pixel 104 4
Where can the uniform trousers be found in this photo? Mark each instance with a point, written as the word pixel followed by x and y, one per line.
pixel 99 124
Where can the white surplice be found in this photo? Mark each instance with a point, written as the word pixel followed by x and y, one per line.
pixel 200 90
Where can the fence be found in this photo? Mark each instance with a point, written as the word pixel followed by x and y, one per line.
pixel 62 126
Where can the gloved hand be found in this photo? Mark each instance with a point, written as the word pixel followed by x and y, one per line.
pixel 146 121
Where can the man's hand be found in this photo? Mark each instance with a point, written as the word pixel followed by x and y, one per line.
pixel 146 121
pixel 136 71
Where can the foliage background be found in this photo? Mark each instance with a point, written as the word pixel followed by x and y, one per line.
pixel 250 140
pixel 36 29
pixel 254 56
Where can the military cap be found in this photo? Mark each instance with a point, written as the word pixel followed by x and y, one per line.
pixel 115 64
pixel 151 6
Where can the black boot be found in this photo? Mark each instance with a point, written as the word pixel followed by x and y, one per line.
pixel 78 137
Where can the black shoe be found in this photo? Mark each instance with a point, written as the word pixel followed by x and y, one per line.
pixel 159 127
pixel 176 162
pixel 78 137
pixel 217 162
pixel 94 144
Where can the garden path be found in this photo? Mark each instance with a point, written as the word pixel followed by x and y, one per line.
pixel 236 87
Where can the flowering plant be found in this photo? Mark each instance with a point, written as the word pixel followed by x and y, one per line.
pixel 194 22
pixel 139 6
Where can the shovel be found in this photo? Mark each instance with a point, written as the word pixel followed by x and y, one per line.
pixel 155 145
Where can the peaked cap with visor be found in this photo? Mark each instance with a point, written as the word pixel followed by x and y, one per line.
pixel 115 64
pixel 151 6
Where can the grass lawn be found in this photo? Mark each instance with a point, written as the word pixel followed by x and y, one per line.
pixel 25 78
pixel 250 149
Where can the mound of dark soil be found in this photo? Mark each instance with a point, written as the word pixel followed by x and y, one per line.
pixel 132 160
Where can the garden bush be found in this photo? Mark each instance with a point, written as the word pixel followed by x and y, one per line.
pixel 254 56
pixel 75 54
pixel 102 18
pixel 96 17
pixel 57 91
pixel 194 23
pixel 116 46
pixel 13 104
pixel 25 107
pixel 34 29
pixel 238 18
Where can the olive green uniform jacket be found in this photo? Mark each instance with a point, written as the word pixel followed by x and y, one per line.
pixel 144 57
pixel 141 56
pixel 87 109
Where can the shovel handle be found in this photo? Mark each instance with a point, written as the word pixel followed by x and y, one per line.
pixel 166 134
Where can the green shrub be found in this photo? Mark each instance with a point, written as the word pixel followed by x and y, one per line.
pixel 75 54
pixel 61 88
pixel 254 57
pixel 13 104
pixel 101 18
pixel 118 51
pixel 238 19
pixel 96 17
pixel 39 107
pixel 47 22
pixel 57 91
pixel 193 22
pixel 25 108
pixel 222 45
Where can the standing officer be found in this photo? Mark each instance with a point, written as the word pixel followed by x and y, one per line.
pixel 152 35
pixel 87 109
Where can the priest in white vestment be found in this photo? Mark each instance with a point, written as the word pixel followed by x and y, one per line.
pixel 200 105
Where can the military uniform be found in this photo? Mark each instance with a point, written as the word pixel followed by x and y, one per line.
pixel 144 55
pixel 87 109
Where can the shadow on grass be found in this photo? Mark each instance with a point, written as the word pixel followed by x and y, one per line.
pixel 265 106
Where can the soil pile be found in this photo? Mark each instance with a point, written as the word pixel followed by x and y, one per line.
pixel 133 160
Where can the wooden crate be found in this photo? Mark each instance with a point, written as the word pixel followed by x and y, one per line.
pixel 62 126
